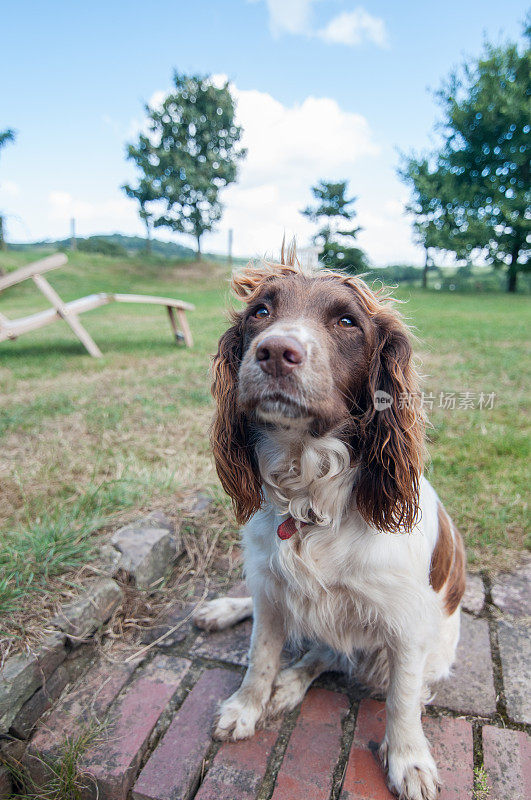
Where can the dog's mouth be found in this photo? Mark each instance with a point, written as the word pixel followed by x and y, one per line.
pixel 280 406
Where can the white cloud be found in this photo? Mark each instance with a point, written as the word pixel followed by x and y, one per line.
pixel 289 149
pixel 289 16
pixel 62 206
pixel 10 188
pixel 355 27
pixel 350 27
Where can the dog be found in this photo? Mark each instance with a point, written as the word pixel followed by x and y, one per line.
pixel 318 438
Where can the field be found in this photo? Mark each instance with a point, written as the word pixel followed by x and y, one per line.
pixel 85 442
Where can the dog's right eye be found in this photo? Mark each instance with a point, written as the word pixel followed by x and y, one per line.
pixel 261 312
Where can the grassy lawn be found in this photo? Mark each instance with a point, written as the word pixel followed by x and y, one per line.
pixel 84 441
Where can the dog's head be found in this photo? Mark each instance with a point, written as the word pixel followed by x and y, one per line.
pixel 323 353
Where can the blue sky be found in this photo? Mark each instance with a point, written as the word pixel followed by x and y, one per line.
pixel 325 89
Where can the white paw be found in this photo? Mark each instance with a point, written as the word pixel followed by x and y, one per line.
pixel 288 690
pixel 222 613
pixel 236 719
pixel 411 774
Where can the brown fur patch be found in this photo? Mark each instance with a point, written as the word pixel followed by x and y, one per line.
pixel 455 588
pixel 448 562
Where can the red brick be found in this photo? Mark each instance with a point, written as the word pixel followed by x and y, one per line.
pixel 313 749
pixel 238 768
pixel 364 776
pixel 370 723
pixel 113 762
pixel 175 766
pixel 507 761
pixel 452 748
pixel 453 751
pixel 88 703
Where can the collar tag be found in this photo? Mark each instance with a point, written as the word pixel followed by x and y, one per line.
pixel 287 528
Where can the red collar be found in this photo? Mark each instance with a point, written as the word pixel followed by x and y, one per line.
pixel 287 528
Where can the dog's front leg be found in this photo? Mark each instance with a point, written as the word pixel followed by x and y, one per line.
pixel 405 751
pixel 239 714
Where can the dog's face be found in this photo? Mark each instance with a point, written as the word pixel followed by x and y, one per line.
pixel 319 351
pixel 306 344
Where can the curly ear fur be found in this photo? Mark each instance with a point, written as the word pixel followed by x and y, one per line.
pixel 229 436
pixel 391 440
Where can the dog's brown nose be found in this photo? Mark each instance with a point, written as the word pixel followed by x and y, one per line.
pixel 280 355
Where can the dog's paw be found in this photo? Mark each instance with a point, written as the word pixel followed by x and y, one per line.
pixel 236 719
pixel 215 615
pixel 288 691
pixel 411 775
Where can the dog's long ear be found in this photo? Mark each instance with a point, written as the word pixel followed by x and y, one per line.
pixel 233 452
pixel 391 430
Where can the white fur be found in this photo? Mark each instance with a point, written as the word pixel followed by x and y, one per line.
pixel 363 596
pixel 223 612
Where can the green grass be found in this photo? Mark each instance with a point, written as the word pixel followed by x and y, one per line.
pixel 138 417
pixel 65 779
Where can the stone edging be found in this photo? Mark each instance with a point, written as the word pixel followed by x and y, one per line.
pixel 142 552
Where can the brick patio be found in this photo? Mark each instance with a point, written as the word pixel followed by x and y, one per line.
pixel 156 742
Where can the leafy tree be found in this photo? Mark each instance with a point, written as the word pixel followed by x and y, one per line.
pixel 428 224
pixel 473 193
pixel 103 245
pixel 145 194
pixel 5 136
pixel 190 153
pixel 336 242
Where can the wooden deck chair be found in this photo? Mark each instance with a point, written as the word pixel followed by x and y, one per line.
pixel 69 312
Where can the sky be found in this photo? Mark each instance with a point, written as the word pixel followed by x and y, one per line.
pixel 325 89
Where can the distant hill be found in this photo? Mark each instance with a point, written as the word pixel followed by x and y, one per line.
pixel 130 244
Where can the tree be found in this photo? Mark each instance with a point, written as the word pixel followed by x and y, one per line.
pixel 478 180
pixel 428 224
pixel 332 209
pixel 5 136
pixel 145 194
pixel 189 154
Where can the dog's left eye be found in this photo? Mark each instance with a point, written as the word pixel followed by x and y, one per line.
pixel 346 322
pixel 261 312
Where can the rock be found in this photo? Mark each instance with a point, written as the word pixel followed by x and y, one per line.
pixel 84 616
pixel 23 674
pixel 515 651
pixel 470 687
pixel 80 659
pixel 200 503
pixel 40 702
pixel 107 560
pixel 6 787
pixel 147 553
pixel 474 597
pixel 511 592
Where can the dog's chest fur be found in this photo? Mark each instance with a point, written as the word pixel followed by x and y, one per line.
pixel 341 586
pixel 340 582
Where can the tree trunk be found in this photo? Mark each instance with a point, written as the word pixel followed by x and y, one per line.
pixel 198 237
pixel 148 238
pixel 425 271
pixel 2 240
pixel 512 273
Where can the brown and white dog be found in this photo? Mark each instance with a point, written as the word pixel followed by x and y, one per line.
pixel 318 439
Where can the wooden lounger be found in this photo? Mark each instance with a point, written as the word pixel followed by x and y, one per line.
pixel 12 329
